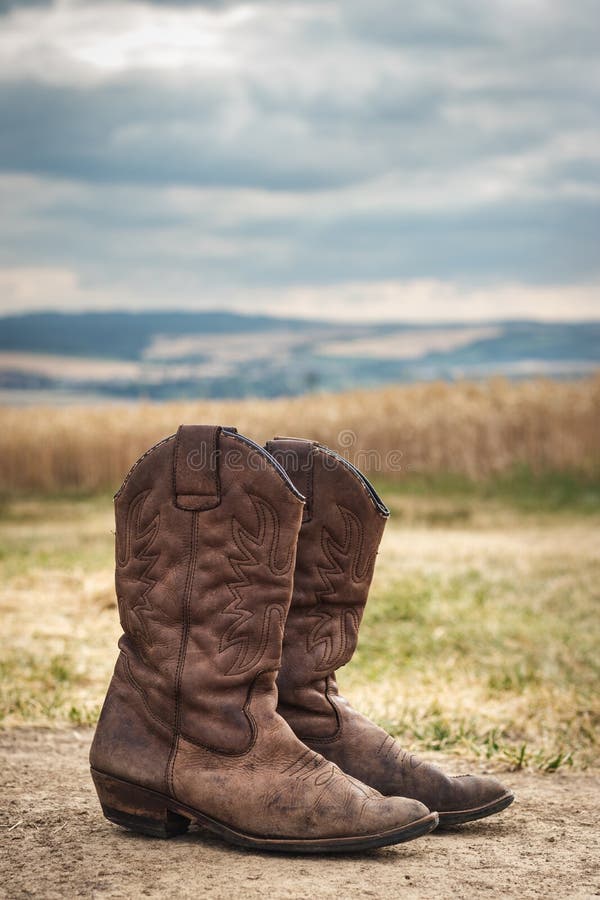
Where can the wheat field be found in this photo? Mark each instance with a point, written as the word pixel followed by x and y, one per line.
pixel 475 430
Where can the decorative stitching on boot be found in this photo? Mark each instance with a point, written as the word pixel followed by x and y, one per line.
pixel 131 610
pixel 310 764
pixel 337 626
pixel 397 752
pixel 251 549
pixel 148 534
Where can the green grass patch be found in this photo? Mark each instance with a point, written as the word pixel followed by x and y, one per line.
pixel 520 489
pixel 33 688
pixel 494 664
pixel 480 636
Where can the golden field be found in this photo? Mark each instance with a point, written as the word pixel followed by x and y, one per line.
pixel 473 430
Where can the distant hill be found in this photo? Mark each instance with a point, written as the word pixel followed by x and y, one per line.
pixel 117 335
pixel 163 355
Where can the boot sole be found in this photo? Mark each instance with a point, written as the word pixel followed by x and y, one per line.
pixel 459 817
pixel 149 812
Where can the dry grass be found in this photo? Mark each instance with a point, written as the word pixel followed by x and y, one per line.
pixel 483 631
pixel 480 636
pixel 473 430
pixel 58 609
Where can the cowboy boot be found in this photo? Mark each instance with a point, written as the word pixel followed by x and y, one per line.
pixel 206 530
pixel 342 526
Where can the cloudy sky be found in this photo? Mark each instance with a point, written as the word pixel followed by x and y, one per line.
pixel 339 158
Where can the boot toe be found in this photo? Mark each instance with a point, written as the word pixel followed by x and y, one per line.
pixel 388 813
pixel 475 797
pixel 478 790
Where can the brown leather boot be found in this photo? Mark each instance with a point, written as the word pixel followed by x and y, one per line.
pixel 206 530
pixel 342 525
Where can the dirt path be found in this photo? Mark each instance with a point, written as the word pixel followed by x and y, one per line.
pixel 57 845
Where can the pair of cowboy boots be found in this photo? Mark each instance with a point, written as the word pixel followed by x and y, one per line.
pixel 242 575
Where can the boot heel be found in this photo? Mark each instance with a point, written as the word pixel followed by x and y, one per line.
pixel 136 808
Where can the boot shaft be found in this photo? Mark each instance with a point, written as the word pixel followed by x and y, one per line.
pixel 206 528
pixel 342 526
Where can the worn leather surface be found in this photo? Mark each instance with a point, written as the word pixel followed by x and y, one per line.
pixel 281 788
pixel 206 532
pixel 337 546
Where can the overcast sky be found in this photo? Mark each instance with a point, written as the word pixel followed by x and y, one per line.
pixel 438 159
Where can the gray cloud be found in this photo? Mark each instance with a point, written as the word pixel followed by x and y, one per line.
pixel 152 237
pixel 7 6
pixel 135 130
pixel 328 143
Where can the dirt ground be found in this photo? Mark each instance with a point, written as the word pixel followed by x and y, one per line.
pixel 56 844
